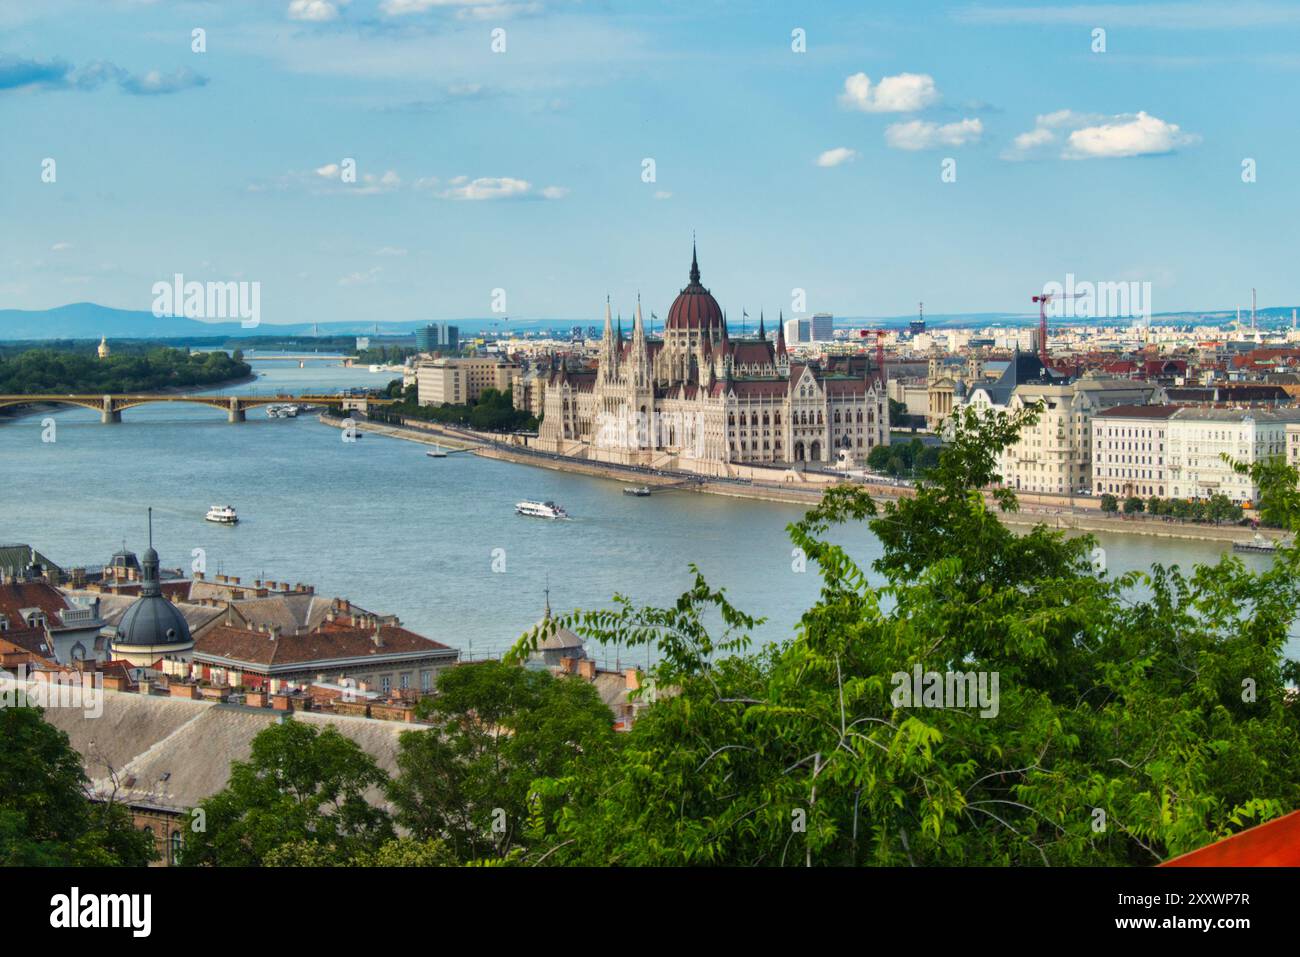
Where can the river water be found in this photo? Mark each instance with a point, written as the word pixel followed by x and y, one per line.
pixel 380 523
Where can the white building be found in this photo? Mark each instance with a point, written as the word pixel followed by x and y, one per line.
pixel 1130 450
pixel 1200 438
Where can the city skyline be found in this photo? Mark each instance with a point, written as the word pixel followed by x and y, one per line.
pixel 523 171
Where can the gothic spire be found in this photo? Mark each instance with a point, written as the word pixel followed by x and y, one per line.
pixel 761 334
pixel 695 264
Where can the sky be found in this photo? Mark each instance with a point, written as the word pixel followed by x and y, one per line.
pixel 527 159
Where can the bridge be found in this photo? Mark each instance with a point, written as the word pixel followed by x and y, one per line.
pixel 110 406
pixel 304 357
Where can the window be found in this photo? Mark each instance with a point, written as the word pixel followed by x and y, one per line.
pixel 386 683
pixel 175 850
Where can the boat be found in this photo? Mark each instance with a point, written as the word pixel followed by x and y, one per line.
pixel 1258 544
pixel 222 515
pixel 639 490
pixel 437 452
pixel 540 510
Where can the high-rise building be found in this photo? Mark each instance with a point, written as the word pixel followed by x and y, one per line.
pixel 798 330
pixel 823 327
pixel 438 337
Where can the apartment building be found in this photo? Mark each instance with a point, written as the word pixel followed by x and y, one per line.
pixel 1200 438
pixel 1130 450
pixel 460 381
pixel 1055 454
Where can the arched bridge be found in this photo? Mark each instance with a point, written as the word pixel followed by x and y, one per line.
pixel 110 406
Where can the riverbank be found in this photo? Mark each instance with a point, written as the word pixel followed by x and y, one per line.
pixel 1028 517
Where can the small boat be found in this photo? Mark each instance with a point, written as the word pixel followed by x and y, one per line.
pixel 436 452
pixel 540 510
pixel 222 515
pixel 641 491
pixel 1258 544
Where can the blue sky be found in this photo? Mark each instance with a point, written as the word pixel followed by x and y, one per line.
pixel 523 170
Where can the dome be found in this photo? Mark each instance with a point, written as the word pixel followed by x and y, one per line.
pixel 152 626
pixel 695 308
pixel 558 643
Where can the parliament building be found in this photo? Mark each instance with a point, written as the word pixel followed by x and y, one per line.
pixel 699 400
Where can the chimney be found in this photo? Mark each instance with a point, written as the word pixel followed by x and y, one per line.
pixel 587 669
pixel 633 679
pixel 567 664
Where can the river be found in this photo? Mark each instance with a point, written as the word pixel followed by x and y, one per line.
pixel 380 523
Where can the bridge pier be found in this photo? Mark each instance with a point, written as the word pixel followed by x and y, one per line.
pixel 109 414
pixel 236 413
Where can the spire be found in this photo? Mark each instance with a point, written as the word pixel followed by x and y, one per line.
pixel 695 264
pixel 149 567
pixel 761 334
pixel 780 334
pixel 608 322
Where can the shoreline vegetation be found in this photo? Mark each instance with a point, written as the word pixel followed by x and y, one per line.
pixel 161 370
pixel 1053 515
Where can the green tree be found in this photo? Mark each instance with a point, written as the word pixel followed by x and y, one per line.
pixel 46 816
pixel 1133 505
pixel 1109 503
pixel 467 781
pixel 804 753
pixel 301 785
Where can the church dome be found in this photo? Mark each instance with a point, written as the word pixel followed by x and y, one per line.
pixel 152 625
pixel 695 308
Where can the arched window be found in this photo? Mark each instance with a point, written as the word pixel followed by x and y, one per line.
pixel 176 847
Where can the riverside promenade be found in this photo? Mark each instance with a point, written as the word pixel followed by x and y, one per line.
pixel 1072 514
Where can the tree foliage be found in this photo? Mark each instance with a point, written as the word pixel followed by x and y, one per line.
pixel 1138 716
pixel 46 816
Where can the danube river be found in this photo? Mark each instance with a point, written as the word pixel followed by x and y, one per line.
pixel 380 523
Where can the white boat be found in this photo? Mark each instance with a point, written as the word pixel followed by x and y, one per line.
pixel 540 510
pixel 436 452
pixel 640 491
pixel 222 515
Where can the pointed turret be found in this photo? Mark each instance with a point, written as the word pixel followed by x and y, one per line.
pixel 780 334
pixel 640 354
pixel 695 265
pixel 761 334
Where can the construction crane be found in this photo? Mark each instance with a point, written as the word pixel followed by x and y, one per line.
pixel 880 351
pixel 1042 300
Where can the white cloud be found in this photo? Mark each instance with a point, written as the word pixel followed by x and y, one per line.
pixel 60 247
pixel 361 278
pixel 390 251
pixel 1072 135
pixel 663 194
pixel 315 11
pixel 329 170
pixel 497 187
pixel 837 157
pixel 399 8
pixel 924 135
pixel 903 93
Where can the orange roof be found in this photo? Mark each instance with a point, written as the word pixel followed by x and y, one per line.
pixel 1275 844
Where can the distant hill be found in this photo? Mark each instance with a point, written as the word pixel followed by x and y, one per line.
pixel 89 320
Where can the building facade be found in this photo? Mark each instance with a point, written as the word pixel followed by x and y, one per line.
pixel 460 381
pixel 699 400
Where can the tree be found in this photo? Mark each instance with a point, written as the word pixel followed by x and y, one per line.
pixel 467 781
pixel 301 785
pixel 1132 505
pixel 46 816
pixel 1109 503
pixel 1157 506
pixel 1100 746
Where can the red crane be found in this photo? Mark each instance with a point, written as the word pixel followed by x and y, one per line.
pixel 880 351
pixel 1042 300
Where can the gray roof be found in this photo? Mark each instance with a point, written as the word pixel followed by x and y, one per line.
pixel 192 743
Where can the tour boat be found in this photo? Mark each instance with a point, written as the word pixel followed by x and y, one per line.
pixel 222 515
pixel 436 452
pixel 1258 544
pixel 640 490
pixel 540 510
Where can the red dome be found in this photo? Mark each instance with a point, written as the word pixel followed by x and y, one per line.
pixel 695 307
